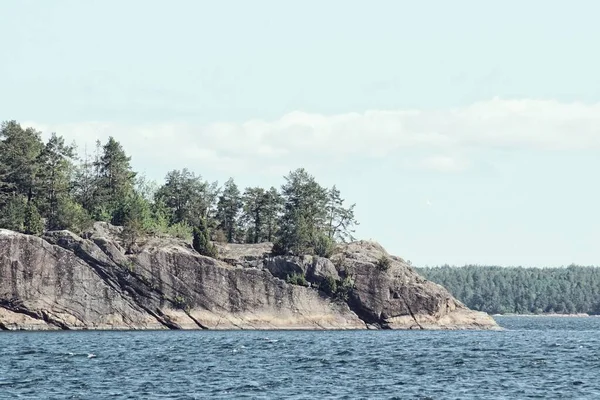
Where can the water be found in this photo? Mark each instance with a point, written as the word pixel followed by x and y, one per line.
pixel 535 358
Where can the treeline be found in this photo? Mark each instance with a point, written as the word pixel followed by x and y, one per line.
pixel 502 290
pixel 48 186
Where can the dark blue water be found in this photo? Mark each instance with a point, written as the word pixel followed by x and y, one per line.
pixel 534 358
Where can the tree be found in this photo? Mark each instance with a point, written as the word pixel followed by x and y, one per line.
pixel 20 150
pixel 201 241
pixel 13 214
pixel 340 219
pixel 54 179
pixel 304 214
pixel 261 211
pixel 253 206
pixel 32 224
pixel 273 208
pixel 228 209
pixel 72 216
pixel 116 178
pixel 136 214
pixel 186 197
pixel 85 183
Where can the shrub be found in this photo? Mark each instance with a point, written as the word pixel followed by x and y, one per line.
pixel 384 263
pixel 201 242
pixel 344 288
pixel 180 303
pixel 297 279
pixel 219 236
pixel 329 286
pixel 323 246
pixel 180 230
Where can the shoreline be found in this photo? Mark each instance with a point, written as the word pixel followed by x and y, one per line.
pixel 546 315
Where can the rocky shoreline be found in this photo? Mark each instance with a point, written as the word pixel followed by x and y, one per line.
pixel 65 281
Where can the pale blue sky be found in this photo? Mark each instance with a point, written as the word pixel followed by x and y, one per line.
pixel 465 131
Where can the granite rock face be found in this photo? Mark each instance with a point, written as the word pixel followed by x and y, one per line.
pixel 64 281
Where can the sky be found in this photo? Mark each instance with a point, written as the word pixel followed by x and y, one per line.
pixel 466 132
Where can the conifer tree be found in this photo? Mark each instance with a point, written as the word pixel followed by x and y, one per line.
pixel 304 214
pixel 228 209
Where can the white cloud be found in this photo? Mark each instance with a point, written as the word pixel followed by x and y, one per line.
pixel 300 137
pixel 443 164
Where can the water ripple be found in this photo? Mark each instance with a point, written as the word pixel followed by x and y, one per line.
pixel 535 358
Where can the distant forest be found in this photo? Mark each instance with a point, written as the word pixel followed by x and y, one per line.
pixel 507 290
pixel 48 186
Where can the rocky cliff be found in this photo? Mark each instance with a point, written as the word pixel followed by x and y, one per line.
pixel 64 281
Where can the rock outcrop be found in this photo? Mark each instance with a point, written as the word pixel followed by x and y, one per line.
pixel 64 281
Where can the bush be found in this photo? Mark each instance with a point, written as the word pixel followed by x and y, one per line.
pixel 180 230
pixel 344 288
pixel 71 216
pixel 297 279
pixel 384 263
pixel 323 246
pixel 180 303
pixel 219 236
pixel 329 286
pixel 201 242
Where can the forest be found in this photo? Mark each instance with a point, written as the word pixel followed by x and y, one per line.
pixel 47 185
pixel 507 290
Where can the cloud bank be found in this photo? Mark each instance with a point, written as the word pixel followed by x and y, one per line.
pixel 443 138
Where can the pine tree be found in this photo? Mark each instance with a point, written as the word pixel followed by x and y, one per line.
pixel 304 214
pixel 136 215
pixel 20 150
pixel 54 179
pixel 228 209
pixel 340 219
pixel 116 178
pixel 253 216
pixel 273 208
pixel 187 197
pixel 32 224
pixel 12 216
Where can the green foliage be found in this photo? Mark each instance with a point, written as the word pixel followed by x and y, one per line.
pixel 13 214
pixel 323 245
pixel 186 197
pixel 116 179
pixel 297 279
pixel 261 211
pixel 329 286
pixel 48 183
pixel 384 263
pixel 32 223
pixel 54 180
pixel 180 230
pixel 304 214
pixel 228 209
pixel 71 216
pixel 500 290
pixel 344 288
pixel 201 241
pixel 181 303
pixel 136 217
pixel 20 151
pixel 340 219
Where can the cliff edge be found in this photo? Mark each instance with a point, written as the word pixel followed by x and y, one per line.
pixel 65 281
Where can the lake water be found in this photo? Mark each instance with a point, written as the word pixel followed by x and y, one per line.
pixel 534 358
